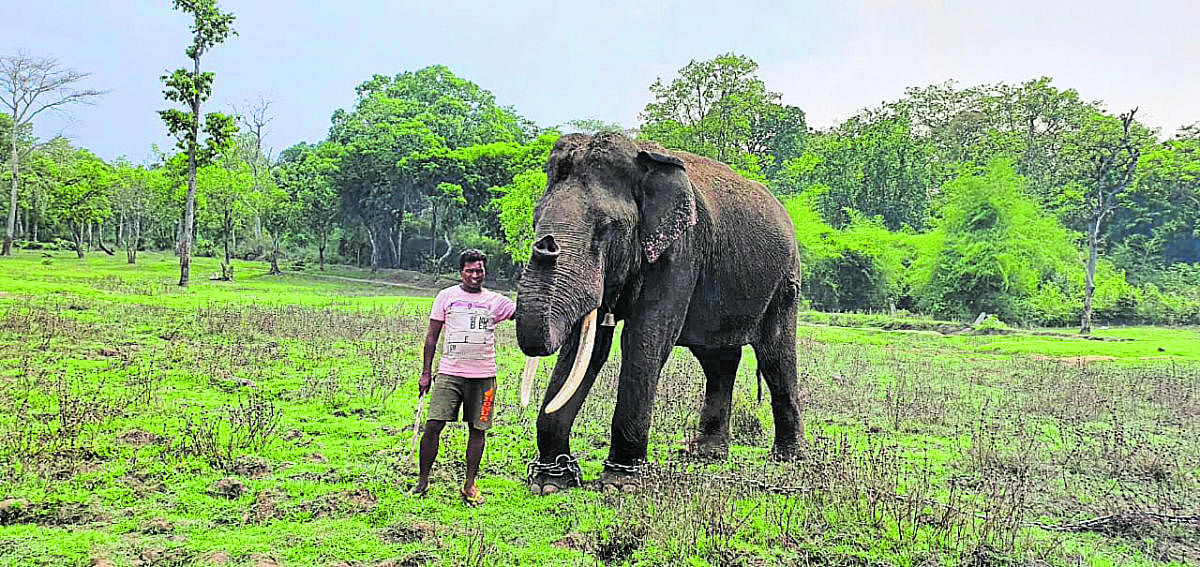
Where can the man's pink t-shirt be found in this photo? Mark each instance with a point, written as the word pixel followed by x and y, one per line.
pixel 469 349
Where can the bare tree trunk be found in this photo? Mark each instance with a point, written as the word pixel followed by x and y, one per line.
pixel 131 242
pixel 1089 287
pixel 100 240
pixel 189 207
pixel 275 253
pixel 321 243
pixel 374 250
pixel 120 231
pixel 13 159
pixel 77 233
pixel 449 247
pixel 228 234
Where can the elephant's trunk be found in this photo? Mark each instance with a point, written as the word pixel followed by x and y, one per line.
pixel 562 287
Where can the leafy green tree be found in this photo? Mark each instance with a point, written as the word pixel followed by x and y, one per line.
pixel 395 140
pixel 210 27
pixel 30 85
pixel 590 126
pixel 873 165
pixel 719 108
pixel 135 197
pixel 1158 221
pixel 997 248
pixel 80 195
pixel 226 187
pixel 280 211
pixel 307 172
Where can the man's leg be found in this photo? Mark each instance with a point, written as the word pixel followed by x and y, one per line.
pixel 429 450
pixel 476 440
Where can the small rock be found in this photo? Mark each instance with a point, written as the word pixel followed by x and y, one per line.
pixel 219 557
pixel 317 458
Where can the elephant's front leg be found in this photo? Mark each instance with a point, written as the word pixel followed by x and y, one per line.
pixel 646 342
pixel 555 469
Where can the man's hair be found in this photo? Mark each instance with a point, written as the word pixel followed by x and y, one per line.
pixel 471 255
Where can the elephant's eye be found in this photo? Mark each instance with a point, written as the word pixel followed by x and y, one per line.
pixel 606 230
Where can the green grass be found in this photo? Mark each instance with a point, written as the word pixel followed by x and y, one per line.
pixel 924 447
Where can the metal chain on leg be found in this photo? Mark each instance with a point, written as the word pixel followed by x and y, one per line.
pixel 564 465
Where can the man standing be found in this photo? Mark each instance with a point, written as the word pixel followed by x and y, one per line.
pixel 467 370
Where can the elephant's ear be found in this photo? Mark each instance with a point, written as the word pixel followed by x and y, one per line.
pixel 666 201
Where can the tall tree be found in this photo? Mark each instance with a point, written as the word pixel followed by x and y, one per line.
pixel 721 109
pixel 210 27
pixel 80 195
pixel 306 172
pixel 1114 161
pixel 30 85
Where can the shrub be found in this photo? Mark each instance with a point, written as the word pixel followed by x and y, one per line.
pixel 998 248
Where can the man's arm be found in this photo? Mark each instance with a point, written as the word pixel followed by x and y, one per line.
pixel 431 341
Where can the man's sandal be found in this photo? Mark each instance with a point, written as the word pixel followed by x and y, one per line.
pixel 473 498
pixel 416 492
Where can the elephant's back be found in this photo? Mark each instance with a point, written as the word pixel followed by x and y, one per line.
pixel 753 254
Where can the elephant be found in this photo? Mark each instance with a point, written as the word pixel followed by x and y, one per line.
pixel 685 252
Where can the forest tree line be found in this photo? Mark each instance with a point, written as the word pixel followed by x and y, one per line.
pixel 948 201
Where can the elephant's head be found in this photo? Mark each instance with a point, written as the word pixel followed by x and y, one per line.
pixel 610 207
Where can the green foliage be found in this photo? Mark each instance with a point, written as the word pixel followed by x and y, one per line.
pixel 720 108
pixel 210 27
pixel 516 203
pixel 872 164
pixel 864 267
pixel 998 248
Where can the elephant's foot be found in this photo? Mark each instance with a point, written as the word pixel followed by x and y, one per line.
pixel 621 478
pixel 787 451
pixel 557 476
pixel 707 447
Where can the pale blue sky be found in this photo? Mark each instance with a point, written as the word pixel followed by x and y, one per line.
pixel 557 61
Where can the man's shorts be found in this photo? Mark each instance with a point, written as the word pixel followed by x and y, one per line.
pixel 475 395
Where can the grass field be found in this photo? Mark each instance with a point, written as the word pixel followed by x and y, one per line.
pixel 267 422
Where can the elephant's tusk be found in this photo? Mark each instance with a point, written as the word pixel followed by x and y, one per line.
pixel 531 366
pixel 587 339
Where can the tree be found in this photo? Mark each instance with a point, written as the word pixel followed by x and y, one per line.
pixel 1114 161
pixel 721 109
pixel 134 197
pixel 395 140
pixel 279 210
pixel 30 85
pixel 80 195
pixel 307 172
pixel 225 187
pixel 997 247
pixel 210 27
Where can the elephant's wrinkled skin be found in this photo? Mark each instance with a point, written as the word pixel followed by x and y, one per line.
pixel 687 253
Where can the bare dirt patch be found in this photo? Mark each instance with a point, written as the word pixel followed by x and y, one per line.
pixel 1076 360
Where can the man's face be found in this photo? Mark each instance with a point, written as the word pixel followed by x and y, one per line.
pixel 472 276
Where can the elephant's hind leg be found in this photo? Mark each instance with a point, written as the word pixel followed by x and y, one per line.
pixel 720 366
pixel 776 353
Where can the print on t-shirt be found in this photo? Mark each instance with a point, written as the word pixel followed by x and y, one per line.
pixel 468 335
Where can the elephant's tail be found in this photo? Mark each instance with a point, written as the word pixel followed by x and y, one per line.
pixel 760 383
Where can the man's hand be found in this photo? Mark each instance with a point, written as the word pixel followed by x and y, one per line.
pixel 424 383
